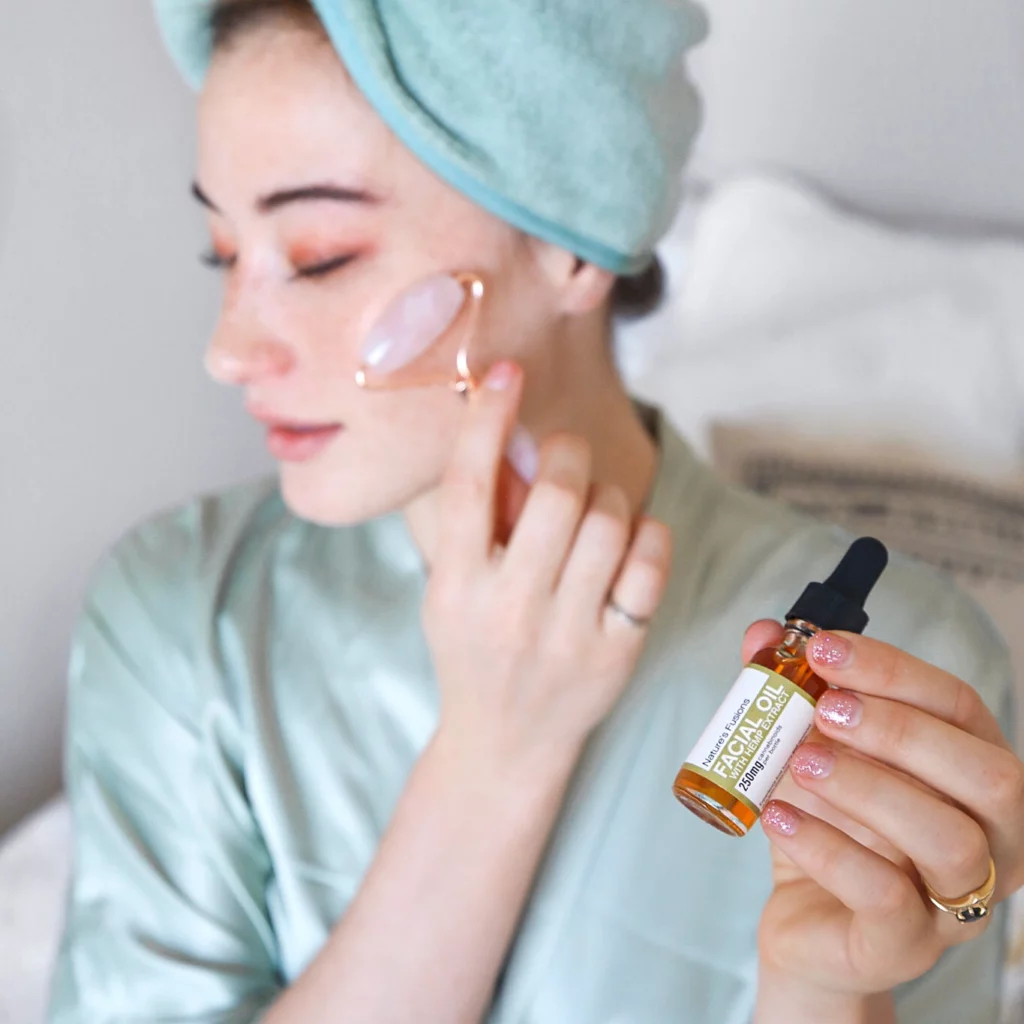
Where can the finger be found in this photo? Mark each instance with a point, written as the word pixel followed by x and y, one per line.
pixel 644 575
pixel 763 633
pixel 597 554
pixel 790 791
pixel 949 848
pixel 988 780
pixel 468 499
pixel 518 471
pixel 861 663
pixel 551 516
pixel 890 921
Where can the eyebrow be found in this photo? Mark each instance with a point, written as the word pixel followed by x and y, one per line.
pixel 305 193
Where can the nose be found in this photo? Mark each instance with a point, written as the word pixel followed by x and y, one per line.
pixel 243 356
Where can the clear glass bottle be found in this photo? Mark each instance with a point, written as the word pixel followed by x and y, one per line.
pixel 742 754
pixel 713 802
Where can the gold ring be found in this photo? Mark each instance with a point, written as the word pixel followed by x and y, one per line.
pixel 628 617
pixel 973 906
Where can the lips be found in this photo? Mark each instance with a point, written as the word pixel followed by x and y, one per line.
pixel 299 429
pixel 300 443
pixel 295 441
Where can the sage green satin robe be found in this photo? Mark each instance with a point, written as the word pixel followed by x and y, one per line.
pixel 249 691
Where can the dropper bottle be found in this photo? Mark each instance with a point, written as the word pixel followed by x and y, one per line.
pixel 743 753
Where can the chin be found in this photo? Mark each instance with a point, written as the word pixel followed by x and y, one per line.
pixel 317 497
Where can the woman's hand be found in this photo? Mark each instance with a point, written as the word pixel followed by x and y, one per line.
pixel 906 779
pixel 528 655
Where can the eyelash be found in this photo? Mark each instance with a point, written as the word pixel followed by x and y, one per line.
pixel 215 261
pixel 218 262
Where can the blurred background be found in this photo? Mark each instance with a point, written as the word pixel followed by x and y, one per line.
pixel 856 211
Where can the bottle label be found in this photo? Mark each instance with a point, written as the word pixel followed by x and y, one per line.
pixel 747 745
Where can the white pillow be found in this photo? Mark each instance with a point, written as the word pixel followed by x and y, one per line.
pixel 788 313
pixel 35 863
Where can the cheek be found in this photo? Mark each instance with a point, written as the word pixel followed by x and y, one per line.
pixel 514 325
pixel 409 420
pixel 317 323
pixel 402 441
pixel 396 448
pixel 329 322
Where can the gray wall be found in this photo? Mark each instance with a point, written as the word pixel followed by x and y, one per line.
pixel 908 109
pixel 105 413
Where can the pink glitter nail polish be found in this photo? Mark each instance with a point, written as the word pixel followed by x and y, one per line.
pixel 780 818
pixel 813 762
pixel 840 708
pixel 830 650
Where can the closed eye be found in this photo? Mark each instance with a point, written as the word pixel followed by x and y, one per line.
pixel 323 269
pixel 216 261
pixel 314 270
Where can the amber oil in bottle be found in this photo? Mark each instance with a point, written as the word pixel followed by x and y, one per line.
pixel 740 757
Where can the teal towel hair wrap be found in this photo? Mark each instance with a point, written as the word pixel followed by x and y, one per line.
pixel 570 119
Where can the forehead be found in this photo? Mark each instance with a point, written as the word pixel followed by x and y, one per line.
pixel 277 103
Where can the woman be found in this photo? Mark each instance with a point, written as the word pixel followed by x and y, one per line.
pixel 294 800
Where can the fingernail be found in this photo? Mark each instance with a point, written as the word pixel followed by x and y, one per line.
pixel 524 454
pixel 779 818
pixel 829 649
pixel 500 376
pixel 837 707
pixel 813 762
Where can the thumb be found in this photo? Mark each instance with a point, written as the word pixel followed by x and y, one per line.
pixel 763 633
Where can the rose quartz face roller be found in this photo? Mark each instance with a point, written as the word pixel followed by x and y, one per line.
pixel 423 339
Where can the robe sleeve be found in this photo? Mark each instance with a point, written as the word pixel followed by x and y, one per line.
pixel 166 913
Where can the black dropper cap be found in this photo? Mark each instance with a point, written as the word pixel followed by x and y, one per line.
pixel 838 603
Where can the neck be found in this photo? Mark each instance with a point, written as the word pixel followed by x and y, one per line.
pixel 575 390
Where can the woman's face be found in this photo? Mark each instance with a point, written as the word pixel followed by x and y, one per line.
pixel 308 273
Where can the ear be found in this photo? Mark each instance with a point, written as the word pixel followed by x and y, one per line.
pixel 579 287
pixel 589 288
